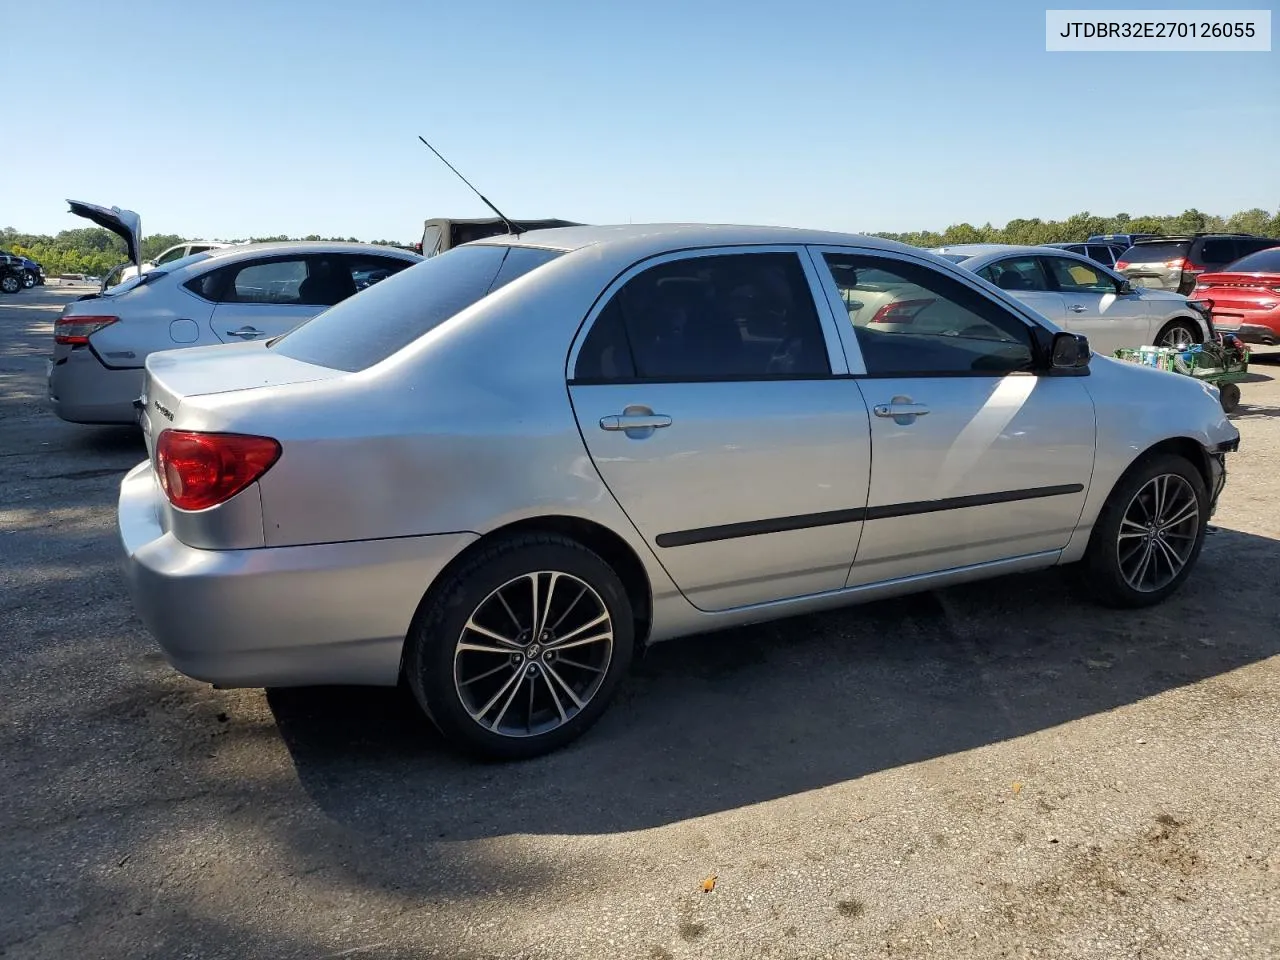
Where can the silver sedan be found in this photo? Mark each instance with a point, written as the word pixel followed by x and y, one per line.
pixel 244 292
pixel 1082 296
pixel 498 473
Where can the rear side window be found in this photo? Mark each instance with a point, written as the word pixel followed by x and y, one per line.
pixel 1265 261
pixel 391 314
pixel 748 316
pixel 1157 252
pixel 1016 273
pixel 1218 250
pixel 1247 245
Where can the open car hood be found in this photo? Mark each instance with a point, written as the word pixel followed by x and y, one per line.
pixel 125 224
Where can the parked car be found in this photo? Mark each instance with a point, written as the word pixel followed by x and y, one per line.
pixel 1104 253
pixel 1174 263
pixel 176 252
pixel 499 473
pixel 12 273
pixel 443 234
pixel 1082 296
pixel 32 272
pixel 245 292
pixel 1245 297
pixel 1124 240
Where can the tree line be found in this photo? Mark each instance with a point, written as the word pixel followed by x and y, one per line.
pixel 92 250
pixel 1083 225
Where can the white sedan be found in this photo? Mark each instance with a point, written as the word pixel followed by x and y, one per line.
pixel 1083 296
pixel 230 295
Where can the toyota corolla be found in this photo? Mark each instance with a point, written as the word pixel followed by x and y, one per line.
pixel 498 473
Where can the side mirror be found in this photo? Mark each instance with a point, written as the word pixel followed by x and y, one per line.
pixel 1069 354
pixel 1126 288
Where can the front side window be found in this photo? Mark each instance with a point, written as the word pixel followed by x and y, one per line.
pixel 911 320
pixel 1075 276
pixel 724 316
pixel 1016 273
pixel 368 270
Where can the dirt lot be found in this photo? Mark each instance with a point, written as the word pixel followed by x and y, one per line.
pixel 997 771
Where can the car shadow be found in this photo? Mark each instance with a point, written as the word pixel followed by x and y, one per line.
pixel 712 723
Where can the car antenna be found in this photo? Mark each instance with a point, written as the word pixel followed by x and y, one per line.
pixel 511 226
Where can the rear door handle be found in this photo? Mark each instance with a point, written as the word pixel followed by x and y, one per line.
pixel 245 333
pixel 1077 308
pixel 900 410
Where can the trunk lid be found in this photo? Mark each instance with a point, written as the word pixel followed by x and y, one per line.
pixel 125 224
pixel 175 376
pixel 1239 291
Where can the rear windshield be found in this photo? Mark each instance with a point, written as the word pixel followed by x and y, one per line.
pixel 1264 261
pixel 1157 251
pixel 388 316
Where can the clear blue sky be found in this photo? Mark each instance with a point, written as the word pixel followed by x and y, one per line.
pixel 230 118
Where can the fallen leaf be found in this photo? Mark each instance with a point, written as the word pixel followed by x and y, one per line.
pixel 709 884
pixel 1017 787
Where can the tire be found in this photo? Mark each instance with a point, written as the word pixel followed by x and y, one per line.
pixel 1178 333
pixel 1110 563
pixel 559 696
pixel 28 279
pixel 1229 396
pixel 10 283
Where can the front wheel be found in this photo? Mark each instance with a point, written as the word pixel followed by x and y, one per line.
pixel 1179 334
pixel 29 280
pixel 1149 534
pixel 520 650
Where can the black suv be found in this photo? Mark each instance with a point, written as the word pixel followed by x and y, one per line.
pixel 12 273
pixel 1173 263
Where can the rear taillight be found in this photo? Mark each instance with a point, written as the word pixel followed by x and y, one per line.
pixel 1188 266
pixel 904 311
pixel 79 329
pixel 201 470
pixel 1121 264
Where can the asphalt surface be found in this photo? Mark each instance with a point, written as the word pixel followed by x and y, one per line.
pixel 1002 770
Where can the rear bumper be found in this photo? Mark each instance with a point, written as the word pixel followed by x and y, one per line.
pixel 332 613
pixel 1250 332
pixel 83 390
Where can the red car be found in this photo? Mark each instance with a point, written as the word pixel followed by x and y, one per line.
pixel 1246 297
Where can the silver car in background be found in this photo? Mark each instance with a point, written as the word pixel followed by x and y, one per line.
pixel 221 295
pixel 1082 296
pixel 497 474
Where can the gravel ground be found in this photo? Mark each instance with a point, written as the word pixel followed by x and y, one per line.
pixel 1001 770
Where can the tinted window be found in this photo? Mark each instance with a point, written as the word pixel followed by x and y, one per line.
pixel 1104 255
pixel 1218 250
pixel 366 271
pixel 911 320
pixel 391 314
pixel 1266 261
pixel 275 281
pixel 1247 245
pixel 725 316
pixel 1157 251
pixel 1016 273
pixel 1079 277
pixel 176 254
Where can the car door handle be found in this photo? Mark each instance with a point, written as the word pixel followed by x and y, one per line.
pixel 1077 308
pixel 245 333
pixel 901 410
pixel 635 421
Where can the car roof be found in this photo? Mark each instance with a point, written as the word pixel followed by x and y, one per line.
pixel 978 249
pixel 650 239
pixel 991 252
pixel 240 250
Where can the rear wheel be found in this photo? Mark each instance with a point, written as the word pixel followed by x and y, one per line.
pixel 1178 334
pixel 10 283
pixel 1149 533
pixel 520 650
pixel 1229 396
